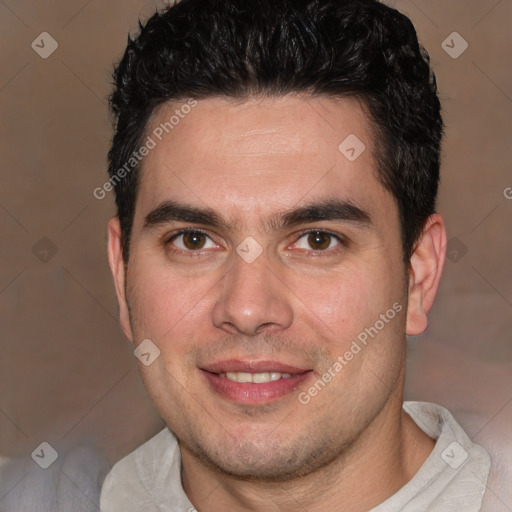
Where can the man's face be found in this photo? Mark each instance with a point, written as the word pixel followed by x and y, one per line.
pixel 267 175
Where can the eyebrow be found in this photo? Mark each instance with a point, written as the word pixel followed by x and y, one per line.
pixel 327 210
pixel 170 211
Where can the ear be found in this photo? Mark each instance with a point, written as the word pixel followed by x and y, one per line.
pixel 425 269
pixel 117 267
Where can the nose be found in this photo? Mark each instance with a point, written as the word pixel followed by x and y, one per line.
pixel 253 299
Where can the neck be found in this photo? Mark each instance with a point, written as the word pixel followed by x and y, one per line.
pixel 386 455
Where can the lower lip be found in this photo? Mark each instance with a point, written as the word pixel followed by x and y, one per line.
pixel 249 393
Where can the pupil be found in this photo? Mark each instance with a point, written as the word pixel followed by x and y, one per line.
pixel 319 240
pixel 193 240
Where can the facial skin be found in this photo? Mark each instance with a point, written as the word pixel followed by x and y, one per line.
pixel 302 302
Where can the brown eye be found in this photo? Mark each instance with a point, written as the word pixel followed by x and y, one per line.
pixel 192 241
pixel 319 240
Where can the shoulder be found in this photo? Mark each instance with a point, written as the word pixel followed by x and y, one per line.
pixel 452 441
pixel 455 474
pixel 131 482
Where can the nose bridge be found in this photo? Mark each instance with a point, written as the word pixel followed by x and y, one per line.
pixel 252 297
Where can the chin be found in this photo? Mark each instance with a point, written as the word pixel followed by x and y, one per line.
pixel 270 463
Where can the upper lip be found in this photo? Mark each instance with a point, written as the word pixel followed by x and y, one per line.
pixel 250 366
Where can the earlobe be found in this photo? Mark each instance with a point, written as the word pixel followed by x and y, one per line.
pixel 117 267
pixel 425 269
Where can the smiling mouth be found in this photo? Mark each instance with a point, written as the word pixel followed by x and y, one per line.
pixel 257 378
pixel 254 383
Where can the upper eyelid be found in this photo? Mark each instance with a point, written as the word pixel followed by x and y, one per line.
pixel 317 230
pixel 168 237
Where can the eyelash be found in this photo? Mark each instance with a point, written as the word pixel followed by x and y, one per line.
pixel 339 238
pixel 343 242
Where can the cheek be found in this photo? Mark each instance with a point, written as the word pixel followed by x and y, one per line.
pixel 339 306
pixel 338 302
pixel 162 302
pixel 167 309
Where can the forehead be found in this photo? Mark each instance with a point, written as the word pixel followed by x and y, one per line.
pixel 260 154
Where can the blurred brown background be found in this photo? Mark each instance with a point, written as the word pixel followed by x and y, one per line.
pixel 68 377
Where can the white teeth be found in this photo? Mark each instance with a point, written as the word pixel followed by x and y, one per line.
pixel 257 378
pixel 244 377
pixel 261 377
